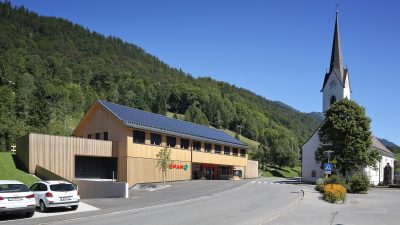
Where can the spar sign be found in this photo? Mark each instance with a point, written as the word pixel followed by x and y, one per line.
pixel 178 166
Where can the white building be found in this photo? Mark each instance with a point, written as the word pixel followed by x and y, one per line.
pixel 336 86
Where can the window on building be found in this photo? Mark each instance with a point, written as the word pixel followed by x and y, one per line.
pixel 89 136
pixel 207 147
pixel 184 143
pixel 139 137
pixel 105 136
pixel 333 99
pixel 243 152
pixel 155 139
pixel 217 148
pixel 235 151
pixel 171 141
pixel 97 136
pixel 227 150
pixel 196 145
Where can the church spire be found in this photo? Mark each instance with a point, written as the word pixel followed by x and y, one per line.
pixel 336 56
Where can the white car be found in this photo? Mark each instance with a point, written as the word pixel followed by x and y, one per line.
pixel 49 194
pixel 15 197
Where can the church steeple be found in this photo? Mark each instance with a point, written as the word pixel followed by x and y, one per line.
pixel 336 84
pixel 336 56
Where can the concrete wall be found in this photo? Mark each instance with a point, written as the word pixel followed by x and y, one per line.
pixel 251 171
pixel 101 189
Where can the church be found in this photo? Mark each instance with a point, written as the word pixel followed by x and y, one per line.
pixel 336 86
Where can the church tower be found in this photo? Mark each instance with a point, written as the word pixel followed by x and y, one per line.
pixel 336 84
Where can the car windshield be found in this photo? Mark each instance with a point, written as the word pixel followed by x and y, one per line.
pixel 62 187
pixel 10 188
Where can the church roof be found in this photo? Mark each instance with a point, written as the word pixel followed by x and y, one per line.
pixel 336 55
pixel 378 145
pixel 336 64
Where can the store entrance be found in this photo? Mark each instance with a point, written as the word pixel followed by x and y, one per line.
pixel 204 171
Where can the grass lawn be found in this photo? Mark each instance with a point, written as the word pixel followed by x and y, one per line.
pixel 286 172
pixel 180 116
pixel 9 170
pixel 243 139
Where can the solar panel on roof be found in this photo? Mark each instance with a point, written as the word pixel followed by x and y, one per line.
pixel 136 118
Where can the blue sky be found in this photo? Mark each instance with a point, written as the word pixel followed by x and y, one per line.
pixel 279 49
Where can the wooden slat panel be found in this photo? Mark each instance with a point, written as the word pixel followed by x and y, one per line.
pixel 57 154
pixel 146 171
pixel 220 159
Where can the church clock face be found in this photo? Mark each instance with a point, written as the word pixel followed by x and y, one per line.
pixel 332 84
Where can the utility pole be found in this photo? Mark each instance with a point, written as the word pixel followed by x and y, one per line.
pixel 240 129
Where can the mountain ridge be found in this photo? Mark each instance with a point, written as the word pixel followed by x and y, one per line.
pixel 52 70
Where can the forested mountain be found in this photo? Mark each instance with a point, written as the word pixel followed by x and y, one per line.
pixel 52 70
pixel 390 145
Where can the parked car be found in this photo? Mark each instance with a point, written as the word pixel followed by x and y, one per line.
pixel 50 194
pixel 15 198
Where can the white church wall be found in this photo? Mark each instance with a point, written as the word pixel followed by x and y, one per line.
pixel 347 91
pixel 308 160
pixel 329 90
pixel 376 175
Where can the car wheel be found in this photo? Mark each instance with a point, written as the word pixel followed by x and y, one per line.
pixel 29 214
pixel 42 206
pixel 74 207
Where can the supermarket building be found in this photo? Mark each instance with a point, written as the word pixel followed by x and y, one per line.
pixel 118 142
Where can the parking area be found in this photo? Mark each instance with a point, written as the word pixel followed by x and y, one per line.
pixel 176 191
pixel 83 207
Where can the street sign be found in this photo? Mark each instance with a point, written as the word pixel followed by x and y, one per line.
pixel 328 168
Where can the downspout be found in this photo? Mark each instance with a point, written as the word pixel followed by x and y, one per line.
pixel 191 160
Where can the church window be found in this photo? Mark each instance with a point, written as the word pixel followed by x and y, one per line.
pixel 313 173
pixel 333 99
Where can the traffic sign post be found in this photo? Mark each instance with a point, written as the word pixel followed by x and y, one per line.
pixel 328 168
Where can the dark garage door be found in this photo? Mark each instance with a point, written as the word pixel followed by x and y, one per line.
pixel 95 167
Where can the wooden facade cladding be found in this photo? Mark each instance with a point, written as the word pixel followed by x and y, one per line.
pixel 142 170
pixel 57 153
pixel 219 159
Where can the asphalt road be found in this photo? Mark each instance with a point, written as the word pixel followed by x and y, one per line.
pixel 201 202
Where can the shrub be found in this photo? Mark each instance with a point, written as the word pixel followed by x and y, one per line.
pixel 335 179
pixel 334 193
pixel 319 185
pixel 359 183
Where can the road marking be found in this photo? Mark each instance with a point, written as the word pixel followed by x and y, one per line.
pixel 149 207
pixel 289 209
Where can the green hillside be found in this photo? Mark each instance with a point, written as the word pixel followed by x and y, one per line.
pixel 281 172
pixel 52 70
pixel 9 170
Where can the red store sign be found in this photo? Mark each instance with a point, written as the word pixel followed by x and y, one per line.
pixel 178 166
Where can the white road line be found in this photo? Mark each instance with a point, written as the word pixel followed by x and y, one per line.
pixel 146 208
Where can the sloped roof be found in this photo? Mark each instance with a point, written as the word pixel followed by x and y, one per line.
pixel 378 145
pixel 139 119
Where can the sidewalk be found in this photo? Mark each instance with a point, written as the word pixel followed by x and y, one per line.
pixel 379 206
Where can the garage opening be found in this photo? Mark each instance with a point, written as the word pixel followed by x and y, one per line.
pixel 96 167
